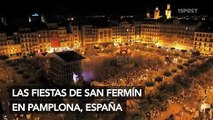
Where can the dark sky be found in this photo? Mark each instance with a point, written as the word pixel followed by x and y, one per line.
pixel 89 7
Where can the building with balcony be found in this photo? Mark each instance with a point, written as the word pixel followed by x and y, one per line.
pixel 123 33
pixel 9 46
pixel 203 42
pixel 104 35
pixel 178 32
pixel 88 35
pixel 150 31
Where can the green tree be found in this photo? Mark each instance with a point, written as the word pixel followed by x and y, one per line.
pixel 162 97
pixel 183 81
pixel 173 70
pixel 167 73
pixel 145 106
pixel 158 79
pixel 20 72
pixel 179 66
pixel 196 53
pixel 3 57
pixel 25 76
pixel 149 84
pixel 176 89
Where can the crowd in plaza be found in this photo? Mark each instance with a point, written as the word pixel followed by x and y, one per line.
pixel 179 63
pixel 148 64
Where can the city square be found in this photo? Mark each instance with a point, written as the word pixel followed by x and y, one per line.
pixel 158 46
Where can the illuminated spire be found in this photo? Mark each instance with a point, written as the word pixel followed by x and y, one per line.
pixel 156 13
pixel 168 11
pixel 148 14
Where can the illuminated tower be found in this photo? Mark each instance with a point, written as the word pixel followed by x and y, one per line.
pixel 168 12
pixel 148 15
pixel 156 13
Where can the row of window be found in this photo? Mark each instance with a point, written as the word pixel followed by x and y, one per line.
pixel 151 27
pixel 150 30
pixel 205 40
pixel 204 49
pixel 204 35
pixel 39 34
pixel 151 34
pixel 204 44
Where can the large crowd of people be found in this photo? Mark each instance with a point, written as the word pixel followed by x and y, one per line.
pixel 147 65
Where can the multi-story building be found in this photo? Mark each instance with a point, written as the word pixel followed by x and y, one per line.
pixel 76 33
pixel 13 48
pixel 150 31
pixel 65 67
pixel 43 41
pixel 52 38
pixel 91 35
pixel 3 43
pixel 28 40
pixel 59 39
pixel 75 37
pixel 123 33
pixel 173 32
pixel 203 42
pixel 138 31
pixel 88 35
pixel 9 46
pixel 179 33
pixel 104 35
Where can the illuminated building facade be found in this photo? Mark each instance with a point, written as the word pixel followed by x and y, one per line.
pixel 28 40
pixel 91 35
pixel 150 31
pixel 104 35
pixel 75 37
pixel 203 42
pixel 63 65
pixel 60 39
pixel 36 17
pixel 88 35
pixel 3 43
pixel 138 31
pixel 172 32
pixel 148 15
pixel 43 41
pixel 178 33
pixel 123 33
pixel 9 46
pixel 168 12
pixel 156 13
pixel 13 48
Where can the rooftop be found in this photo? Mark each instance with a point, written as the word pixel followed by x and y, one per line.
pixel 207 26
pixel 69 56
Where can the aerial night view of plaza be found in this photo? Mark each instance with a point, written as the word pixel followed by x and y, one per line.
pixel 164 47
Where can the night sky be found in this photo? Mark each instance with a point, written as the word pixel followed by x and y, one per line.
pixel 92 7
